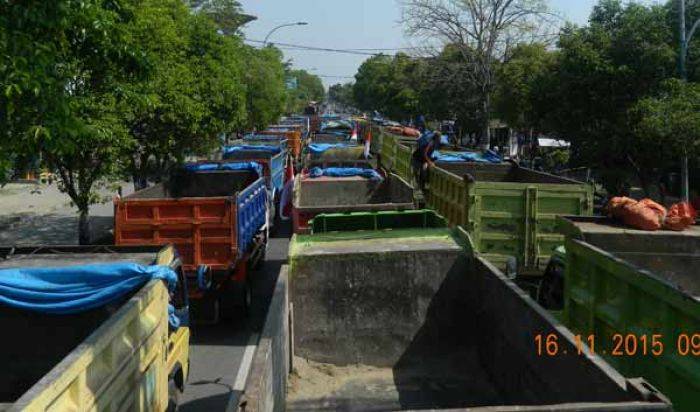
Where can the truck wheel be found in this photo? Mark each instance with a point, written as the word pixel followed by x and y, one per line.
pixel 241 301
pixel 247 297
pixel 550 294
pixel 173 396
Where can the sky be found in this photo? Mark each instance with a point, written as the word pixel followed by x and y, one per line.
pixel 348 24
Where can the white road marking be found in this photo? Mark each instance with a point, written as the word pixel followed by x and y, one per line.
pixel 244 369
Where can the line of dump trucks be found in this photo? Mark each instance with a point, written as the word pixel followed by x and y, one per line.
pixel 392 299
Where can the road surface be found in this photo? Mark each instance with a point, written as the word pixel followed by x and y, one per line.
pixel 216 352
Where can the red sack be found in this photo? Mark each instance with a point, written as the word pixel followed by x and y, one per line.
pixel 395 129
pixel 645 214
pixel 616 205
pixel 680 217
pixel 411 132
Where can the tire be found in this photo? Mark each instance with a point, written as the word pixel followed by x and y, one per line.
pixel 247 298
pixel 173 396
pixel 550 294
pixel 271 216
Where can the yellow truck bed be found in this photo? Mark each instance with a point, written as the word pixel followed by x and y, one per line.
pixel 122 365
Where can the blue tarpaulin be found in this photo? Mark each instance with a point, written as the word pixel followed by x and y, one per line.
pixel 318 148
pixel 344 172
pixel 206 167
pixel 456 157
pixel 258 148
pixel 76 289
pixel 271 137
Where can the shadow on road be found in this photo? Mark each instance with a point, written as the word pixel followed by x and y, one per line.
pixel 50 229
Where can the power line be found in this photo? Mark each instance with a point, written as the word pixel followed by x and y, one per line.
pixel 361 52
pixel 333 77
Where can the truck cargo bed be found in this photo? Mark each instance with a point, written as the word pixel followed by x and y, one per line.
pixel 347 194
pixel 211 217
pixel 45 354
pixel 508 211
pixel 637 284
pixel 406 320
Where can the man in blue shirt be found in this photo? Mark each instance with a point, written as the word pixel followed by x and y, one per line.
pixel 420 123
pixel 428 143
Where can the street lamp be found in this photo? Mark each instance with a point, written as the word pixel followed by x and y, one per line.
pixel 686 37
pixel 300 23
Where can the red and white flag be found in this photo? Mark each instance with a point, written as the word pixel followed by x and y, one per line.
pixel 368 142
pixel 354 133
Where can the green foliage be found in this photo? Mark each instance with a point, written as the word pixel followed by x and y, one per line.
pixel 227 14
pixel 95 88
pixel 194 88
pixel 403 87
pixel 668 125
pixel 602 71
pixel 518 85
pixel 387 84
pixel 265 83
pixel 341 94
pixel 64 81
pixel 309 87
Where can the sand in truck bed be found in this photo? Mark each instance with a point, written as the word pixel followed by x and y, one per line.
pixel 452 381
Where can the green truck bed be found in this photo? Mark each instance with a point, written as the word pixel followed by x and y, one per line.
pixel 508 211
pixel 645 288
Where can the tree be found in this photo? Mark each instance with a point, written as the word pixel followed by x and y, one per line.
pixel 389 85
pixel 29 85
pixel 480 30
pixel 265 86
pixel 308 88
pixel 602 71
pixel 341 94
pixel 227 14
pixel 447 92
pixel 193 91
pixel 668 124
pixel 65 94
pixel 519 78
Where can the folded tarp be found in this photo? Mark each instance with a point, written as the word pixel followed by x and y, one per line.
pixel 76 289
pixel 336 125
pixel 258 148
pixel 207 167
pixel 318 148
pixel 272 137
pixel 457 157
pixel 337 133
pixel 344 172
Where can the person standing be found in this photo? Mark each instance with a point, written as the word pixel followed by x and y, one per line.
pixel 422 158
pixel 420 123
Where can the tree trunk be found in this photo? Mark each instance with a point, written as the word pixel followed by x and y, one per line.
pixel 84 226
pixel 140 182
pixel 140 172
pixel 485 143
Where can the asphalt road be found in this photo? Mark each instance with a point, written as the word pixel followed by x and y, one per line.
pixel 216 352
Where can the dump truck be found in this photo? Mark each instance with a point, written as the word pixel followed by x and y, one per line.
pixel 334 154
pixel 337 137
pixel 313 196
pixel 392 311
pixel 217 220
pixel 509 211
pixel 274 163
pixel 635 297
pixel 293 135
pixel 119 356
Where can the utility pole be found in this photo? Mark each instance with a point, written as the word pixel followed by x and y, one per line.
pixel 686 37
pixel 685 188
